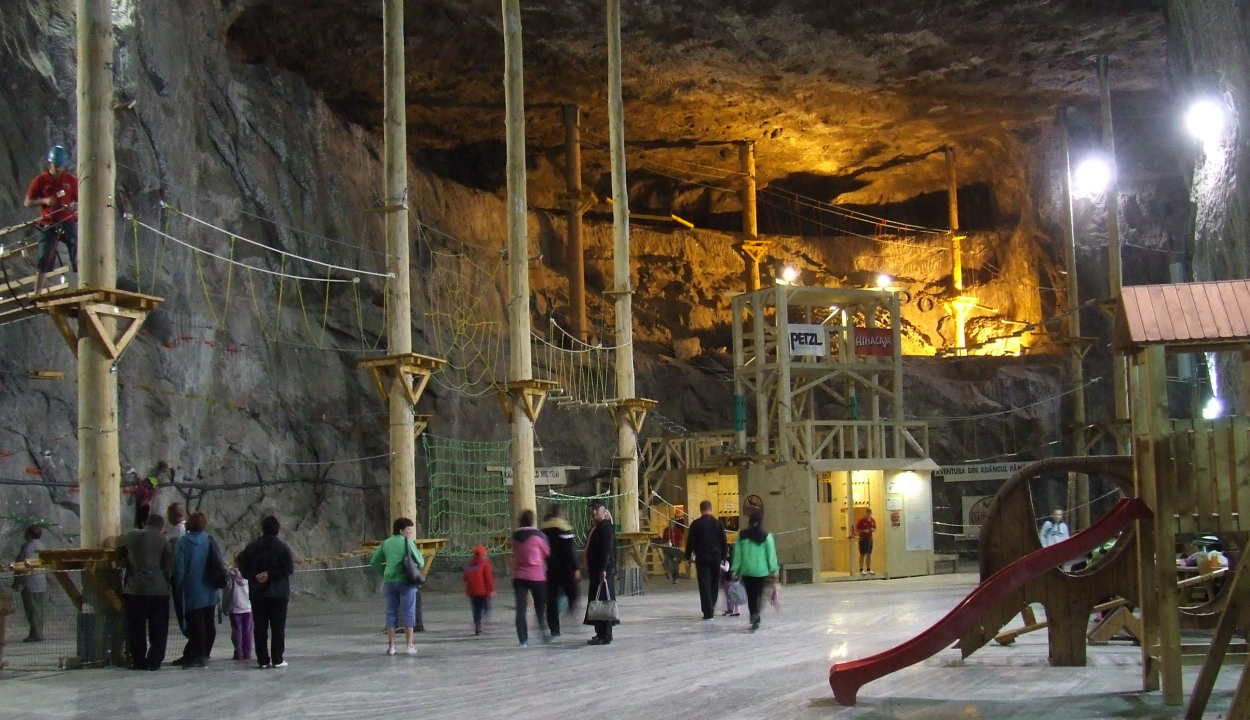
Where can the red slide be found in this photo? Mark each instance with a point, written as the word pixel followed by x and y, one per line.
pixel 848 677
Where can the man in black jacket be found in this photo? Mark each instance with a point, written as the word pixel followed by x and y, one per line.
pixel 706 542
pixel 562 566
pixel 600 567
pixel 268 565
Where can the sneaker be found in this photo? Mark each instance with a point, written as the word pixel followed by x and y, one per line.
pixel 281 664
pixel 524 644
pixel 477 631
pixel 546 638
pixel 755 626
pixel 264 666
pixel 390 650
pixel 410 651
pixel 555 635
pixel 598 641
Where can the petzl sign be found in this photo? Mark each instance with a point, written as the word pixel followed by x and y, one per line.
pixel 809 340
pixel 874 341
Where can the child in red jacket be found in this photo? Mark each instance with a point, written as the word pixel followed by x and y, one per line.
pixel 479 585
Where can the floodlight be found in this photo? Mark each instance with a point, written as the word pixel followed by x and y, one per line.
pixel 1205 120
pixel 883 281
pixel 1214 409
pixel 789 274
pixel 1091 176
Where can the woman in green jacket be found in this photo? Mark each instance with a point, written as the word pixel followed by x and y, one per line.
pixel 754 561
pixel 401 595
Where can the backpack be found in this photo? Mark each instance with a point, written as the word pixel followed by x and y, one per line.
pixel 214 566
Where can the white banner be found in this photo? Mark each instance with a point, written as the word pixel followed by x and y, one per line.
pixel 809 340
pixel 542 476
pixel 979 471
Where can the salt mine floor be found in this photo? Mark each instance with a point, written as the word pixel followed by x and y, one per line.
pixel 665 662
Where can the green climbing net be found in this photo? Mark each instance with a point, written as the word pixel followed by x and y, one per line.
pixel 470 505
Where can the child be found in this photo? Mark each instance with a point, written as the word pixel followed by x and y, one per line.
pixel 238 604
pixel 479 585
pixel 726 579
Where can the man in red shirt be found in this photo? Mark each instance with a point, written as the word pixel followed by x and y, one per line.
pixel 55 192
pixel 865 528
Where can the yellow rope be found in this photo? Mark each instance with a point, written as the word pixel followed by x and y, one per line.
pixel 134 223
pixel 260 319
pixel 325 313
pixel 225 313
pixel 277 323
pixel 199 267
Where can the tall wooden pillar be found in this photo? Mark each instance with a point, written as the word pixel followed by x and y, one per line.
pixel 520 367
pixel 99 472
pixel 403 474
pixel 622 287
pixel 1119 364
pixel 575 261
pixel 752 248
pixel 1076 348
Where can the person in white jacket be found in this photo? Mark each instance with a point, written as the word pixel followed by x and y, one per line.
pixel 1054 530
pixel 236 602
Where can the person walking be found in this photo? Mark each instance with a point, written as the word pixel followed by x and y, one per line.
pixel 401 595
pixel 145 592
pixel 529 575
pixel 479 585
pixel 755 561
pixel 600 557
pixel 268 565
pixel 32 586
pixel 199 599
pixel 707 546
pixel 563 572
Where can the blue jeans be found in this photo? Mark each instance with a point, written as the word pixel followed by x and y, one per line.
pixel 401 604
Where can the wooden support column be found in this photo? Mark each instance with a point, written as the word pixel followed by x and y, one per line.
pixel 1156 411
pixel 520 368
pixel 575 262
pixel 763 376
pixel 1076 350
pixel 99 474
pixel 403 475
pixel 896 330
pixel 784 397
pixel 622 286
pixel 1119 364
pixel 752 248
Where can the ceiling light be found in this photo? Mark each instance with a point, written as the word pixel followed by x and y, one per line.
pixel 1091 176
pixel 1214 409
pixel 1205 120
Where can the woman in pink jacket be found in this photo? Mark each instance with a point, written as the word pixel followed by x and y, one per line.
pixel 529 575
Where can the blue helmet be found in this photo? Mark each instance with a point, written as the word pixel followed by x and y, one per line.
pixel 58 156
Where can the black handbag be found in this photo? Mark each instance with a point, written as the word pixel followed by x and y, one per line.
pixel 411 570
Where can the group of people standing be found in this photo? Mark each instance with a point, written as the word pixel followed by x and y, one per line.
pixel 182 565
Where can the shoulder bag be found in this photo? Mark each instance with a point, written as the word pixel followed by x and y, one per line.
pixel 602 608
pixel 411 570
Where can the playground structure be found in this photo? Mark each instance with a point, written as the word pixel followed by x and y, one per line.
pixel 1187 476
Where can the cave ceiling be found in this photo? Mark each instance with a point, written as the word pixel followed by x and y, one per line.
pixel 847 100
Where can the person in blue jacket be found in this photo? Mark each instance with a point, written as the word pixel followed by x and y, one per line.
pixel 198 598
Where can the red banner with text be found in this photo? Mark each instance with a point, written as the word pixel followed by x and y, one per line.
pixel 874 341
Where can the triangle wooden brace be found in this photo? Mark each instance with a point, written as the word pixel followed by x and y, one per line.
pixel 531 393
pixel 632 411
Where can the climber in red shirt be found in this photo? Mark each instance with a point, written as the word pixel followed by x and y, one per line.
pixel 55 192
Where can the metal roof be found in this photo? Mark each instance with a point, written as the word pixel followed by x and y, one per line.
pixel 1194 316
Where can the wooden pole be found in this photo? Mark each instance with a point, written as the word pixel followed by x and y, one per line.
pixel 399 319
pixel 622 283
pixel 952 205
pixel 575 258
pixel 1119 366
pixel 750 217
pixel 99 474
pixel 1075 350
pixel 519 359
